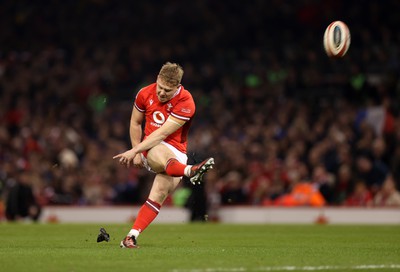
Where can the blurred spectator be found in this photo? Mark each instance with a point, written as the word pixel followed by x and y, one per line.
pixel 231 189
pixel 258 184
pixel 343 184
pixel 324 181
pixel 195 196
pixel 213 196
pixel 125 185
pixel 360 196
pixel 372 172
pixel 302 194
pixel 395 164
pixel 387 196
pixel 196 202
pixel 21 203
pixel 379 152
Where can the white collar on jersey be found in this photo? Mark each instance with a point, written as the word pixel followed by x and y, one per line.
pixel 177 92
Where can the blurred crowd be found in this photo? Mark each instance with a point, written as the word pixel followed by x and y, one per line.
pixel 286 124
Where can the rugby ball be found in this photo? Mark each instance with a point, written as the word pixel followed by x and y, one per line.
pixel 337 39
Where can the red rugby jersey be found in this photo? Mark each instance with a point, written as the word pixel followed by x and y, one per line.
pixel 180 106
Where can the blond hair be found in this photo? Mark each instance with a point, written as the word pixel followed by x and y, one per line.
pixel 171 73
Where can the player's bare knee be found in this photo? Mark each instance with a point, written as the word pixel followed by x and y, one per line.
pixel 158 156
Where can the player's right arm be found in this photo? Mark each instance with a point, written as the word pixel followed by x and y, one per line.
pixel 135 133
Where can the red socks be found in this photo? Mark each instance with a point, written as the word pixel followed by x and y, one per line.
pixel 147 213
pixel 150 209
pixel 174 168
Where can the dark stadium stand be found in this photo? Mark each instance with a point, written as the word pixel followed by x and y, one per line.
pixel 272 108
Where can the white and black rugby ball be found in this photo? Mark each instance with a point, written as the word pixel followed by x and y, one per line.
pixel 337 39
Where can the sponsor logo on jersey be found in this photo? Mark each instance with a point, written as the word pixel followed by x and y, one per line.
pixel 158 117
pixel 185 110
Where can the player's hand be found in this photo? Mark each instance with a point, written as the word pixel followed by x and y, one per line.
pixel 137 161
pixel 126 158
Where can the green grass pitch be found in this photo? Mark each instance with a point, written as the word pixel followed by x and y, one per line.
pixel 199 247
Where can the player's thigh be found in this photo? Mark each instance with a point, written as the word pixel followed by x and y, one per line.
pixel 163 185
pixel 158 156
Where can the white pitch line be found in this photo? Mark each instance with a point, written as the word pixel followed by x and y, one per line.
pixel 292 268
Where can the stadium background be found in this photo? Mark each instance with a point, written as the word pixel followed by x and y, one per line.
pixel 271 107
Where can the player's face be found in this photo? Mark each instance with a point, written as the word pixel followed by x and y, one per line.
pixel 164 91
